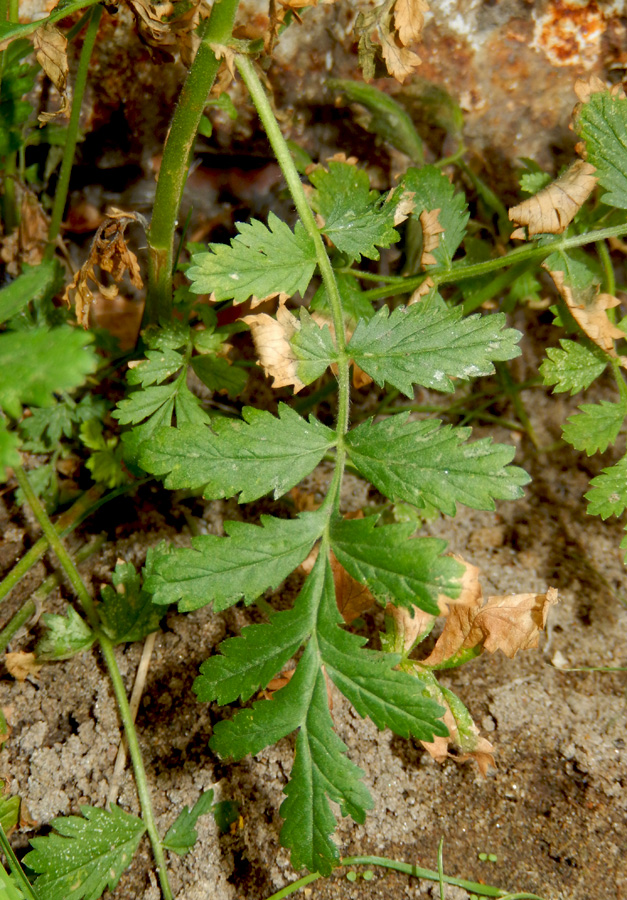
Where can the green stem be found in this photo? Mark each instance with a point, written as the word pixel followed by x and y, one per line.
pixel 71 137
pixel 175 162
pixel 16 869
pixel 284 158
pixel 609 285
pixel 106 647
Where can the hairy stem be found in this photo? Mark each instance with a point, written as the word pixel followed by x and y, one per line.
pixel 71 136
pixel 176 158
pixel 106 647
pixel 284 158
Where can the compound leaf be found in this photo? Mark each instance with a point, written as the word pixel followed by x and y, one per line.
pixel 428 344
pixel 65 636
pixel 261 261
pixel 433 191
pixel 595 427
pixel 602 123
pixel 573 368
pixel 222 570
pixel 425 462
pixel 396 569
pixel 182 835
pixel 608 492
pixel 259 455
pixel 86 856
pixel 127 611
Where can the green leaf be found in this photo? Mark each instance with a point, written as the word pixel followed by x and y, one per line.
pixel 38 364
pixel 595 427
pixel 105 460
pixel 433 190
pixel 573 368
pixel 608 492
pixel 181 835
pixel 602 123
pixel 9 445
pixel 425 461
pixel 222 570
pixel 314 348
pixel 356 219
pixel 355 305
pixel 260 455
pixel 65 636
pixel 259 262
pixel 9 811
pixel 8 888
pixel 87 855
pixel 127 612
pixel 219 375
pixel 397 569
pixel 428 344
pixel 155 368
pixel 31 284
pixel 226 813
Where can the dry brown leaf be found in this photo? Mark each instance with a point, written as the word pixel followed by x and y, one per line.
pixel 409 17
pixel 409 628
pixel 421 291
pixel 272 341
pixel 586 87
pixel 431 231
pixel 275 684
pixel 110 253
pixel 20 665
pixel 51 52
pixel 552 209
pixel 159 26
pixel 508 623
pixel 352 597
pixel 471 592
pixel 28 243
pixel 404 207
pixel 401 62
pixel 590 313
pixel 471 746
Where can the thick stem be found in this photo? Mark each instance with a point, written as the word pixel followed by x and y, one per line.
pixel 71 137
pixel 106 647
pixel 284 158
pixel 175 161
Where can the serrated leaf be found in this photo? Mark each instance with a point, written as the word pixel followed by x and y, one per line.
pixel 396 568
pixel 187 407
pixel 86 855
pixel 219 375
pixel 426 461
pixel 573 368
pixel 127 612
pixel 313 348
pixel 602 123
pixel 181 835
pixel 432 190
pixel 65 636
pixel 595 427
pixel 261 261
pixel 155 367
pixel 355 305
pixel 32 283
pixel 428 344
pixel 144 403
pixel 38 364
pixel 356 219
pixel 223 570
pixel 608 492
pixel 260 455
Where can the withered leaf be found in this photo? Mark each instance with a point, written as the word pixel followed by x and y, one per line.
pixel 20 665
pixel 393 39
pixel 272 343
pixel 431 231
pixel 401 62
pixel 470 746
pixel 586 87
pixel 409 17
pixel 162 26
pixel 51 52
pixel 552 209
pixel 409 628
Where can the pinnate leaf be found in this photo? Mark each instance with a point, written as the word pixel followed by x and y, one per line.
pixel 223 570
pixel 181 835
pixel 428 344
pixel 608 492
pixel 595 427
pixel 573 368
pixel 260 262
pixel 602 123
pixel 127 611
pixel 87 855
pixel 426 462
pixel 433 191
pixel 257 456
pixel 397 569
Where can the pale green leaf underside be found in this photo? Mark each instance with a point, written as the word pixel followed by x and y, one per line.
pixel 595 427
pixel 425 462
pixel 602 123
pixel 428 344
pixel 573 368
pixel 260 455
pixel 223 570
pixel 260 261
pixel 608 492
pixel 86 855
pixel 396 568
pixel 65 636
pixel 181 835
pixel 433 190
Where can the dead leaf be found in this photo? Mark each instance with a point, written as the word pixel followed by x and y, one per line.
pixel 393 39
pixel 28 243
pixel 431 231
pixel 409 629
pixel 471 592
pixel 404 207
pixel 409 18
pixel 163 27
pixel 272 342
pixel 275 684
pixel 20 665
pixel 111 254
pixel 590 312
pixel 352 597
pixel 509 623
pixel 552 209
pixel 586 87
pixel 421 291
pixel 51 52
pixel 470 746
pixel 401 62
